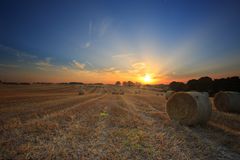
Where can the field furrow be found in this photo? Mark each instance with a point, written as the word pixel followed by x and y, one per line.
pixel 102 125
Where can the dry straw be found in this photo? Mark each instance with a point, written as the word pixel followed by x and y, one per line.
pixel 81 92
pixel 137 92
pixel 189 108
pixel 121 92
pixel 169 94
pixel 227 101
pixel 118 92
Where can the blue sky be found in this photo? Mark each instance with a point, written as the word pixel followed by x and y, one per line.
pixel 89 40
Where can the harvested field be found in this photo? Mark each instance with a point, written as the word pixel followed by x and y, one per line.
pixel 54 122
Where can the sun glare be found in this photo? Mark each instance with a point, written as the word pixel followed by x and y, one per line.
pixel 147 78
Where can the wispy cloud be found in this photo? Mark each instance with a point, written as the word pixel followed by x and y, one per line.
pixel 88 63
pixel 45 64
pixel 65 68
pixel 90 29
pixel 138 69
pixel 25 55
pixel 87 45
pixel 104 27
pixel 9 66
pixel 78 65
pixel 139 65
pixel 22 55
pixel 101 31
pixel 111 70
pixel 123 55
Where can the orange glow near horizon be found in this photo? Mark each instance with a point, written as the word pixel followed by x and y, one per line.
pixel 146 72
pixel 106 78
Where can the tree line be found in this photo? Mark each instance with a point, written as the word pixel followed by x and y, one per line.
pixel 128 84
pixel 207 84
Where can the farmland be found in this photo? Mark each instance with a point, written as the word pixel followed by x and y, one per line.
pixel 54 122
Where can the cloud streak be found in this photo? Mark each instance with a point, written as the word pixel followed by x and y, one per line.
pixel 104 26
pixel 87 45
pixel 45 65
pixel 123 55
pixel 22 55
pixel 90 29
pixel 78 65
pixel 9 66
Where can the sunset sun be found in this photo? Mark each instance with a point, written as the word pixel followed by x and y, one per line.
pixel 147 78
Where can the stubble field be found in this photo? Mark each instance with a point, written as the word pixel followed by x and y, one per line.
pixel 54 122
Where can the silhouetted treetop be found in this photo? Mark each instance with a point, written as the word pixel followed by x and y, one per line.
pixel 207 84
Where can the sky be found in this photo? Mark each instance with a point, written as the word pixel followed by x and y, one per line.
pixel 149 41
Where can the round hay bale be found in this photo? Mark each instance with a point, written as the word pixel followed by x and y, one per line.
pixel 121 92
pixel 227 101
pixel 189 108
pixel 81 92
pixel 205 93
pixel 137 91
pixel 168 94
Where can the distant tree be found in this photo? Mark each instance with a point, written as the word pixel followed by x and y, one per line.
pixel 177 86
pixel 226 84
pixel 118 83
pixel 205 84
pixel 25 83
pixel 234 83
pixel 98 84
pixel 192 84
pixel 130 84
pixel 124 83
pixel 137 84
pixel 75 83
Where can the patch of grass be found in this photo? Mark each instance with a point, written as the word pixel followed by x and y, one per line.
pixel 104 114
pixel 136 141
